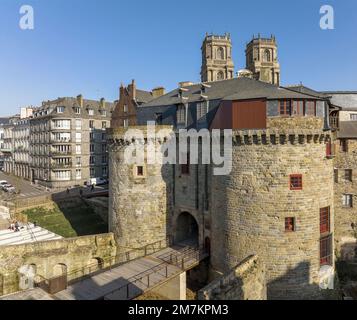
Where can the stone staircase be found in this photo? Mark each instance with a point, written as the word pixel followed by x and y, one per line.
pixel 27 234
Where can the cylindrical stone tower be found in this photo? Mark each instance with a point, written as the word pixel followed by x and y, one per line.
pixel 139 195
pixel 272 204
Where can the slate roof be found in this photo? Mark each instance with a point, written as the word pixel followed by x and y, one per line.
pixel 143 96
pixel 306 90
pixel 232 89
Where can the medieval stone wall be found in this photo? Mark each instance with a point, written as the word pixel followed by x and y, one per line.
pixel 139 205
pixel 345 217
pixel 245 282
pixel 45 258
pixel 250 205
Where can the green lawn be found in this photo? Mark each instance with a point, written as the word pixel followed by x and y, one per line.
pixel 68 219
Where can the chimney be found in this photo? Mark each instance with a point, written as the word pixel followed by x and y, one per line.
pixel 80 100
pixel 158 92
pixel 102 103
pixel 132 90
pixel 185 84
pixel 121 90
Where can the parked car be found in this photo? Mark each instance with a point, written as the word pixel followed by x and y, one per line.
pixel 9 188
pixel 97 182
pixel 3 182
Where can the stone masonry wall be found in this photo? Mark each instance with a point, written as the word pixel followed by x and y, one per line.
pixel 138 205
pixel 73 254
pixel 346 217
pixel 245 282
pixel 250 205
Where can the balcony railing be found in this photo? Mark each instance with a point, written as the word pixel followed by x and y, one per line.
pixel 61 165
pixel 56 153
pixel 60 140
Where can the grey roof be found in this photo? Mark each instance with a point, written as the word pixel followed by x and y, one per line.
pixel 233 89
pixel 4 121
pixel 143 96
pixel 306 90
pixel 346 100
pixel 347 129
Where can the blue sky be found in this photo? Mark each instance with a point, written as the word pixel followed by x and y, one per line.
pixel 90 46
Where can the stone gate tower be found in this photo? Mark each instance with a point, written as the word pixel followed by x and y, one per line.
pixel 262 59
pixel 217 63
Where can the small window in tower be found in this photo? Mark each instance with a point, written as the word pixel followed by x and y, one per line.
pixel 347 200
pixel 220 53
pixel 289 224
pixel 185 168
pixel 140 171
pixel 267 55
pixel 296 182
pixel 325 220
pixel 348 175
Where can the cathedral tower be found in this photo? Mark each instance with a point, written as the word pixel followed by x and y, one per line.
pixel 262 59
pixel 217 63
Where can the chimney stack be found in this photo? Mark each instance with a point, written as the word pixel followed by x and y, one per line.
pixel 80 100
pixel 158 92
pixel 132 90
pixel 102 103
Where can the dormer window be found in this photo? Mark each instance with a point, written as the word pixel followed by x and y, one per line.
pixel 91 112
pixel 181 114
pixel 125 108
pixel 103 113
pixel 77 110
pixel 60 109
pixel 202 109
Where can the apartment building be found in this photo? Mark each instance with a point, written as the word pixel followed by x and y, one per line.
pixel 68 141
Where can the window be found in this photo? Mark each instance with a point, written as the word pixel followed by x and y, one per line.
pixel 91 160
pixel 181 114
pixel 289 224
pixel 91 148
pixel 63 175
pixel 347 201
pixel 201 110
pixel 310 108
pixel 336 175
pixel 220 75
pixel 78 161
pixel 78 137
pixel 158 117
pixel 325 220
pixel 78 124
pixel 353 117
pixel 326 251
pixel 104 124
pixel 344 145
pixel 104 136
pixel 126 123
pixel 105 171
pixel 285 107
pixel 62 124
pixel 267 56
pixel 104 147
pixel 298 108
pixel 91 124
pixel 296 182
pixel 78 149
pixel 91 112
pixel 60 109
pixel 348 175
pixel 103 113
pixel 77 110
pixel 104 159
pixel 78 174
pixel 220 53
pixel 92 172
pixel 140 171
pixel 125 108
pixel 185 168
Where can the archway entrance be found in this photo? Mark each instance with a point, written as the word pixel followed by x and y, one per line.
pixel 187 229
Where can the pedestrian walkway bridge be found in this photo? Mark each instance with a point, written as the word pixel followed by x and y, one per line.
pixel 128 280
